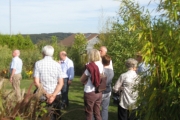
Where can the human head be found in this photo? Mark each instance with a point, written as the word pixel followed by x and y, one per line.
pixel 131 63
pixel 94 55
pixel 103 50
pixel 139 57
pixel 48 50
pixel 106 60
pixel 62 55
pixel 16 53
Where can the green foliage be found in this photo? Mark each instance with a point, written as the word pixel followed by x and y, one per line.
pixel 170 9
pixel 30 109
pixel 162 51
pixel 158 39
pixel 36 38
pixel 122 39
pixel 16 42
pixel 5 58
pixel 29 57
pixel 57 47
pixel 54 43
pixel 77 52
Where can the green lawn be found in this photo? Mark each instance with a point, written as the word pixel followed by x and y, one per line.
pixel 75 111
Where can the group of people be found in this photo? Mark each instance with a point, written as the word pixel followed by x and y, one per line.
pixel 55 78
pixel 96 104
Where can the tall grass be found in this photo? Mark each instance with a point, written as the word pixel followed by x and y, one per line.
pixel 75 110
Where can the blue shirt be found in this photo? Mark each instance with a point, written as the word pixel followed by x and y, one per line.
pixel 143 69
pixel 17 65
pixel 67 68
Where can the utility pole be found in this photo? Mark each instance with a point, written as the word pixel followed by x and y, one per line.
pixel 10 17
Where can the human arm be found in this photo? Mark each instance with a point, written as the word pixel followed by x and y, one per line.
pixel 37 81
pixel 56 91
pixel 110 74
pixel 12 74
pixel 118 86
pixel 70 72
pixel 111 65
pixel 13 68
pixel 38 85
pixel 84 78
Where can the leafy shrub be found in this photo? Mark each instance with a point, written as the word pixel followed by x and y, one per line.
pixel 5 59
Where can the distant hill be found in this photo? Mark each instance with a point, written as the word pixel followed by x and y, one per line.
pixel 47 36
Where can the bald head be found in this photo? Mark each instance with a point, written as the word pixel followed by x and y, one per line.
pixel 16 53
pixel 103 50
pixel 62 55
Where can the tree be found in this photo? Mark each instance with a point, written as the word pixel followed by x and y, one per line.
pixel 16 42
pixel 122 38
pixel 161 50
pixel 5 59
pixel 158 38
pixel 78 53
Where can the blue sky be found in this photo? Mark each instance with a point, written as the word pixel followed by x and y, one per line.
pixel 49 16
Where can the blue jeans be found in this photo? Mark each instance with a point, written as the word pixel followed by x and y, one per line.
pixel 105 105
pixel 64 92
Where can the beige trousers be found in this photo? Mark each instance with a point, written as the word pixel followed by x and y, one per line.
pixel 16 85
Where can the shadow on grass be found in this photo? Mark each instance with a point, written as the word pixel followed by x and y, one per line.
pixel 75 110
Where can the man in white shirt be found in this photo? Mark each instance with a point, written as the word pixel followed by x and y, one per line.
pixel 67 67
pixel 15 73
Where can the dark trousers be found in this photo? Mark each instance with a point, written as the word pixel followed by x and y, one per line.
pixel 124 114
pixel 64 93
pixel 92 103
pixel 55 113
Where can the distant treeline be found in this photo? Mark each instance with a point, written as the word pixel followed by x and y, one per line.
pixel 47 36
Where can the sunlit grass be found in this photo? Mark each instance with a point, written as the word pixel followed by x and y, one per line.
pixel 75 111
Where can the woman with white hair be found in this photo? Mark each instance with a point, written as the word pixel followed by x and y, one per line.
pixel 128 96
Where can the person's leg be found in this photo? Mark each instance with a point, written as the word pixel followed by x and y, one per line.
pixel 122 113
pixel 132 115
pixel 16 85
pixel 67 98
pixel 105 105
pixel 56 109
pixel 88 104
pixel 97 106
pixel 64 93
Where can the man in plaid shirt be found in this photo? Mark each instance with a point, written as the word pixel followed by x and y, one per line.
pixel 48 74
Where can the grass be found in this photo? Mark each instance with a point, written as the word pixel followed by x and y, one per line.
pixel 75 111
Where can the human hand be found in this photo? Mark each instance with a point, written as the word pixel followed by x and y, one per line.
pixel 10 79
pixel 69 82
pixel 51 98
pixel 48 95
